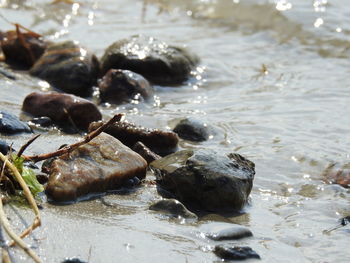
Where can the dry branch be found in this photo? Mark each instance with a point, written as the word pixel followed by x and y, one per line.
pixel 70 148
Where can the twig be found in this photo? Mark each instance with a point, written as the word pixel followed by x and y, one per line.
pixel 25 146
pixel 70 148
pixel 5 223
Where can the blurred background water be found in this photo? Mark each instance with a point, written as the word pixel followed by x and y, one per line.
pixel 274 80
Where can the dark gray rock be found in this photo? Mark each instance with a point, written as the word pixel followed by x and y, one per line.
pixel 119 86
pixel 4 147
pixel 172 207
pixel 62 108
pixel 206 180
pixel 155 60
pixel 68 67
pixel 231 233
pixel 10 124
pixel 73 260
pixel 193 130
pixel 160 142
pixel 102 164
pixel 145 152
pixel 235 252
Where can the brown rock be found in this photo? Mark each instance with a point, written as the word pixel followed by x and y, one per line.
pixel 22 49
pixel 160 142
pixel 119 86
pixel 69 67
pixel 100 165
pixel 60 107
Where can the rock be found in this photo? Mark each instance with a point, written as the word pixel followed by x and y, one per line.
pixel 73 260
pixel 206 180
pixel 230 233
pixel 173 207
pixel 155 60
pixel 145 152
pixel 119 86
pixel 192 130
pixel 160 142
pixel 4 147
pixel 41 122
pixel 336 174
pixel 102 164
pixel 10 124
pixel 22 49
pixel 235 252
pixel 68 67
pixel 62 108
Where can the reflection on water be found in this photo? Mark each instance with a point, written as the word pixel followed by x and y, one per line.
pixel 273 80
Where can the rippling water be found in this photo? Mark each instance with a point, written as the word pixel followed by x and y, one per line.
pixel 274 79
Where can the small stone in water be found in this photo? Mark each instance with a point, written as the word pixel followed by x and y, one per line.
pixel 232 233
pixel 235 252
pixel 73 260
pixel 192 130
pixel 10 124
pixel 174 207
pixel 4 147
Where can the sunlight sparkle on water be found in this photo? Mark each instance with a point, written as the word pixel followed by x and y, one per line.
pixel 319 22
pixel 283 5
pixel 320 5
pixel 75 8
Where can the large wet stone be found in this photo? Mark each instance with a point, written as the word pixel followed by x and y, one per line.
pixel 160 142
pixel 157 61
pixel 193 130
pixel 69 67
pixel 22 51
pixel 206 180
pixel 62 108
pixel 100 165
pixel 119 86
pixel 172 207
pixel 10 124
pixel 235 252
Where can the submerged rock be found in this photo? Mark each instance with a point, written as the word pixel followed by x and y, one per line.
pixel 102 164
pixel 230 233
pixel 235 252
pixel 62 108
pixel 160 142
pixel 68 67
pixel 22 49
pixel 193 130
pixel 145 152
pixel 73 260
pixel 337 174
pixel 155 60
pixel 206 180
pixel 10 124
pixel 119 86
pixel 173 207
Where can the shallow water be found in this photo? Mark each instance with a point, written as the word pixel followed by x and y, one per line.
pixel 273 79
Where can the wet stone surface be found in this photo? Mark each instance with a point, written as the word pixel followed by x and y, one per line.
pixel 4 147
pixel 100 165
pixel 235 252
pixel 145 152
pixel 157 61
pixel 64 109
pixel 193 130
pixel 172 207
pixel 206 180
pixel 160 142
pixel 230 233
pixel 120 86
pixel 22 51
pixel 68 67
pixel 10 124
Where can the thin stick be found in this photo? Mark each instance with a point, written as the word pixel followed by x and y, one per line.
pixel 5 223
pixel 5 256
pixel 25 146
pixel 70 148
